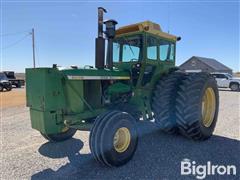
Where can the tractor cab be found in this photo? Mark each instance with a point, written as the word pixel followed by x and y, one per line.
pixel 143 47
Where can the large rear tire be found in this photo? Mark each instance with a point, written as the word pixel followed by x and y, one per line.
pixel 114 138
pixel 65 135
pixel 164 101
pixel 197 106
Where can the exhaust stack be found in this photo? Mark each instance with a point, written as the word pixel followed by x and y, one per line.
pixel 100 41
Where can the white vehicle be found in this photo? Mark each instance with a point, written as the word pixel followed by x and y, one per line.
pixel 225 80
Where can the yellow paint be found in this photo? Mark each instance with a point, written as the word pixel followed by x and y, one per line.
pixel 122 139
pixel 146 26
pixel 65 129
pixel 208 107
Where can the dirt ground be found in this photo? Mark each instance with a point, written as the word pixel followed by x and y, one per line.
pixel 25 154
pixel 16 97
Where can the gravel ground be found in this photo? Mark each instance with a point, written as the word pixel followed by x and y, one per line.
pixel 27 155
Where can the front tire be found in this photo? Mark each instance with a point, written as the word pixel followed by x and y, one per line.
pixel 114 138
pixel 197 106
pixel 65 135
pixel 9 88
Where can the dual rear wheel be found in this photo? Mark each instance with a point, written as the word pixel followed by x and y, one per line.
pixel 192 107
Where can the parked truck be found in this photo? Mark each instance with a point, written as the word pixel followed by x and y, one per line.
pixel 18 83
pixel 4 83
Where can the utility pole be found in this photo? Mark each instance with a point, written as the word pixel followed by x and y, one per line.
pixel 33 47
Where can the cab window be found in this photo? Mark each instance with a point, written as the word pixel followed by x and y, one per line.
pixel 166 50
pixel 127 49
pixel 116 52
pixel 152 45
pixel 130 53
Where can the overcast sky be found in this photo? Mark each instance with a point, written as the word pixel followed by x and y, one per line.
pixel 65 31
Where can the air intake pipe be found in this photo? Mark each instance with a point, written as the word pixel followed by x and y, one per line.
pixel 100 41
pixel 110 33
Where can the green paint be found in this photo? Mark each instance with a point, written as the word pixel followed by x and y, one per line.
pixel 94 72
pixel 118 88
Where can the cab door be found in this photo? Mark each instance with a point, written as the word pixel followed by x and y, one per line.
pixel 159 57
pixel 151 59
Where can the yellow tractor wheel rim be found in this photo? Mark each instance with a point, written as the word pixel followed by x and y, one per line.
pixel 65 129
pixel 121 139
pixel 208 107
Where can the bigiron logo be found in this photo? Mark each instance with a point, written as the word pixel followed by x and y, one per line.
pixel 200 171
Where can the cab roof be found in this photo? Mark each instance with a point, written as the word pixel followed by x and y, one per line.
pixel 145 26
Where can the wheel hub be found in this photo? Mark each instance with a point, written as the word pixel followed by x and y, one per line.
pixel 65 129
pixel 234 87
pixel 121 139
pixel 208 107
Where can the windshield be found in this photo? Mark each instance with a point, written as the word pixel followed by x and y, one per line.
pixel 3 76
pixel 127 49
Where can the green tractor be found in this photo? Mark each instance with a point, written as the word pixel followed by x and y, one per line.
pixel 138 82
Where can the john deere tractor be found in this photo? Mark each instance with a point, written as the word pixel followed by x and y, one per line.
pixel 137 81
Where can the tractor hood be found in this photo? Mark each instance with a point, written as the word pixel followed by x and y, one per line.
pixel 57 95
pixel 95 74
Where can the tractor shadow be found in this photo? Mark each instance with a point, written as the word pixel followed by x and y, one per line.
pixel 158 157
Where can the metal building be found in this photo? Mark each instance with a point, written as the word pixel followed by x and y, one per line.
pixel 202 64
